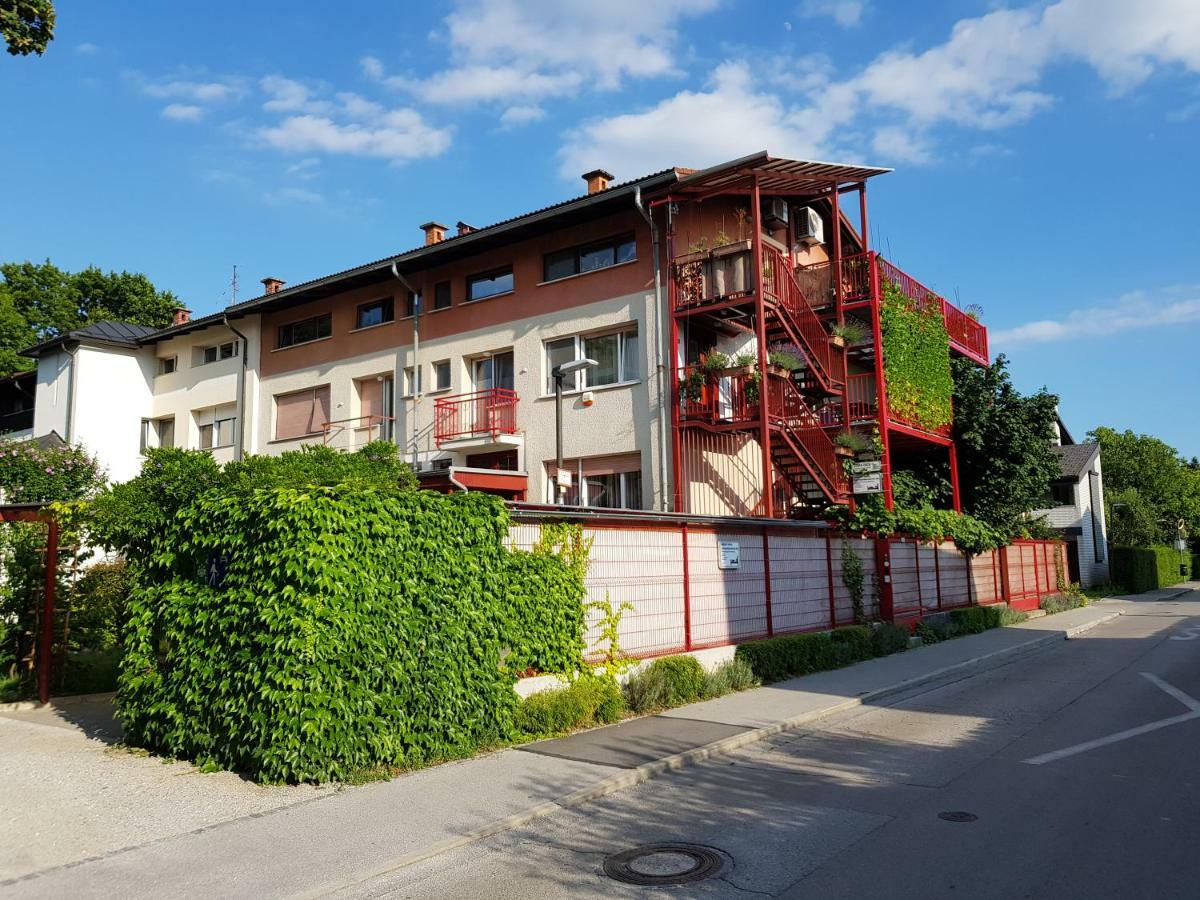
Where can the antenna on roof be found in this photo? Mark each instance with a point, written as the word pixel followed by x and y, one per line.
pixel 233 286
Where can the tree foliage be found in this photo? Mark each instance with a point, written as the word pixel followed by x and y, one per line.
pixel 1148 488
pixel 40 301
pixel 1003 439
pixel 27 25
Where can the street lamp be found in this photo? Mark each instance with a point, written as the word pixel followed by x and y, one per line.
pixel 558 373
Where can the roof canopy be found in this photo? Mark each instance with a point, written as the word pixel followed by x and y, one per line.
pixel 775 176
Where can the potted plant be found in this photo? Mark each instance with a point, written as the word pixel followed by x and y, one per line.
pixel 693 385
pixel 752 391
pixel 850 443
pixel 714 362
pixel 693 272
pixel 975 311
pixel 784 359
pixel 848 333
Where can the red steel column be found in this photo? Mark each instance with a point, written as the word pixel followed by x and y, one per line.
pixel 881 400
pixel 760 310
pixel 45 658
pixel 673 366
pixel 954 479
pixel 862 215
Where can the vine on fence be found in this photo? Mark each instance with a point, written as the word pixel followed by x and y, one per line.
pixel 614 662
pixel 852 577
pixel 916 359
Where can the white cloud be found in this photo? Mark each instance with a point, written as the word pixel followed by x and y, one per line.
pixel 183 112
pixel 87 48
pixel 847 13
pixel 1136 310
pixel 533 49
pixel 286 94
pixel 194 91
pixel 304 170
pixel 397 135
pixel 289 196
pixel 988 75
pixel 516 116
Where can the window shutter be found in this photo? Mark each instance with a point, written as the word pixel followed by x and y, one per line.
pixel 370 397
pixel 294 415
pixel 320 408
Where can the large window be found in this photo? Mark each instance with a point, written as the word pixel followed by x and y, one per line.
pixel 215 427
pixel 603 482
pixel 441 295
pixel 305 330
pixel 589 257
pixel 158 433
pixel 480 287
pixel 375 313
pixel 205 355
pixel 616 354
pixel 301 413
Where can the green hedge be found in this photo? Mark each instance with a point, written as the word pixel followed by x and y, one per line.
pixel 585 702
pixel 353 629
pixel 1147 568
pixel 777 658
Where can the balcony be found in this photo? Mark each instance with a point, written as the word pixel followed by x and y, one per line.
pixel 354 434
pixel 477 421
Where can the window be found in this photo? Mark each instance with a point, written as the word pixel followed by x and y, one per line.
pixel 607 482
pixel 412 381
pixel 206 355
pixel 441 295
pixel 305 330
pixel 493 371
pixel 167 365
pixel 441 375
pixel 480 287
pixel 301 413
pixel 1062 493
pixel 375 406
pixel 412 303
pixel 589 258
pixel 215 425
pixel 616 354
pixel 158 433
pixel 375 313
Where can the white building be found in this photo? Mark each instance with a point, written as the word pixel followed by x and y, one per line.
pixel 1078 495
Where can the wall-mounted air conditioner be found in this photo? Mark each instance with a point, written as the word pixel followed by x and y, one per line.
pixel 809 227
pixel 775 213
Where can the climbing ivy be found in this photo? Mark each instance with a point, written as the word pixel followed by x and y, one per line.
pixel 916 359
pixel 852 577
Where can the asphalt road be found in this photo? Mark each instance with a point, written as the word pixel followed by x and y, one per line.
pixel 1073 769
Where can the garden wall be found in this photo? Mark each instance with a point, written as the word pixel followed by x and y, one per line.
pixel 686 594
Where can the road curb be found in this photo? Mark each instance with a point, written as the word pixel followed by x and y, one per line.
pixel 647 771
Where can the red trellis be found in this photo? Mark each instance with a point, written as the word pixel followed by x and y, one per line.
pixel 35 512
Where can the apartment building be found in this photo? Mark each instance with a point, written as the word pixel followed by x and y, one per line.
pixel 451 350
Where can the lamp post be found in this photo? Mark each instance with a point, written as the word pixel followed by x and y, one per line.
pixel 558 373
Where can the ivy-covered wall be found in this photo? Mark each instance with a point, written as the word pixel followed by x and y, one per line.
pixel 300 634
pixel 916 359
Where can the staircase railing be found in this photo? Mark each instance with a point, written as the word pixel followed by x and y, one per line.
pixel 787 407
pixel 780 284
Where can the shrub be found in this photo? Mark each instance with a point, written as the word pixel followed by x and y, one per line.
pixel 1056 603
pixel 852 644
pixel 1148 568
pixel 97 606
pixel 1010 616
pixel 888 638
pixel 729 677
pixel 666 682
pixel 91 672
pixel 345 628
pixel 976 619
pixel 787 656
pixel 585 702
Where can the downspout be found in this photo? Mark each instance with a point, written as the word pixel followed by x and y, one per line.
pixel 454 481
pixel 239 445
pixel 660 368
pixel 70 419
pixel 398 377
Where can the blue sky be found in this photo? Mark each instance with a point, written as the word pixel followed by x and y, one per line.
pixel 1044 152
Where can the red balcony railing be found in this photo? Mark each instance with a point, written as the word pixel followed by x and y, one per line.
pixel 481 414
pixel 779 282
pixel 719 398
pixel 788 408
pixel 967 336
pixel 817 280
pixel 864 402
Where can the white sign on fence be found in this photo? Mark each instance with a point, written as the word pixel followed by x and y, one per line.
pixel 869 484
pixel 866 467
pixel 731 555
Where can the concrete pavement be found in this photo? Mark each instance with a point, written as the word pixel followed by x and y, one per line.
pixel 937 793
pixel 358 836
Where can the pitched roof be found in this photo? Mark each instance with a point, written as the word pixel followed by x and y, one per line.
pixel 1075 459
pixel 119 334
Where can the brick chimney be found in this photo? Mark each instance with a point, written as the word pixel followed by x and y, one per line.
pixel 181 315
pixel 272 285
pixel 597 180
pixel 435 232
pixel 464 228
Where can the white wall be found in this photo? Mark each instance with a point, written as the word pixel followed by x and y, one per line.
pixel 1093 567
pixel 51 398
pixel 112 396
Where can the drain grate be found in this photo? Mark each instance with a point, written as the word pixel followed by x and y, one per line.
pixel 665 864
pixel 957 815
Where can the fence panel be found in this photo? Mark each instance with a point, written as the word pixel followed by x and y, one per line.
pixel 799 583
pixel 843 604
pixel 906 586
pixel 953 576
pixel 728 605
pixel 927 573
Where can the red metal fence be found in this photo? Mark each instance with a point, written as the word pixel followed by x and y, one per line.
pixel 788 578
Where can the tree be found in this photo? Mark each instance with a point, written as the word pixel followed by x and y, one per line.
pixel 1003 439
pixel 40 301
pixel 1149 488
pixel 27 25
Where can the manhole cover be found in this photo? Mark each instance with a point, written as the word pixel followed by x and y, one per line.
pixel 665 864
pixel 957 815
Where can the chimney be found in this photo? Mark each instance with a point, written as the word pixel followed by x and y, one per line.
pixel 273 285
pixel 435 233
pixel 464 228
pixel 181 315
pixel 597 180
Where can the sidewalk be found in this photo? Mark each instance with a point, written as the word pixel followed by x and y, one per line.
pixel 345 836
